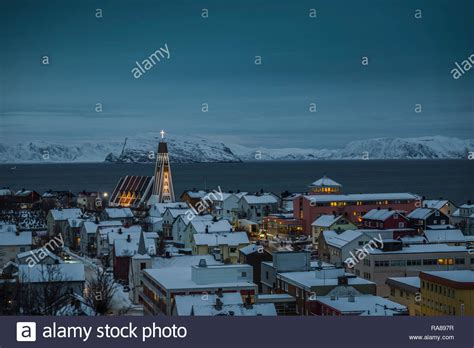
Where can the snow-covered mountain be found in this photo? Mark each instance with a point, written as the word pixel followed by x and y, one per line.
pixel 195 149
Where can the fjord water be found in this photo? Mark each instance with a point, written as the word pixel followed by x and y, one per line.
pixel 450 179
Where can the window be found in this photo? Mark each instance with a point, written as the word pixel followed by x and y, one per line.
pixel 413 262
pixel 382 263
pixel 435 222
pixel 266 274
pixel 244 274
pixel 459 261
pixel 397 263
pixel 392 291
pixel 22 249
pixel 286 286
pixel 401 225
pixel 437 213
pixel 142 265
pixel 430 262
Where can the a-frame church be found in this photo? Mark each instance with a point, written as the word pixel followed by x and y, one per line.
pixel 134 191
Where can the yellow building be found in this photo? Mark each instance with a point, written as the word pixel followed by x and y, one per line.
pixel 330 222
pixel 447 293
pixel 406 291
pixel 223 246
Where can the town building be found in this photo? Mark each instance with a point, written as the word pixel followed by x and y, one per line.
pixel 463 218
pixel 447 293
pixel 384 219
pixel 362 304
pixel 420 218
pixel 198 226
pixel 396 260
pixel 254 255
pixel 256 207
pixel 406 291
pixel 89 200
pixel 330 222
pixel 161 286
pixel 13 242
pixel 88 234
pixel 282 225
pixel 57 219
pixel 325 186
pixel 180 224
pixel 124 215
pixel 351 206
pixel 443 205
pixel 223 246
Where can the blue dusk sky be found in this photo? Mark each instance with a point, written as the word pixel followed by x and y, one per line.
pixel 211 61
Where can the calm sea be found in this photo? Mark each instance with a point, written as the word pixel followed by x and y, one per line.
pixel 451 179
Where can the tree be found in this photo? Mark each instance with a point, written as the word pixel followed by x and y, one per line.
pixel 100 291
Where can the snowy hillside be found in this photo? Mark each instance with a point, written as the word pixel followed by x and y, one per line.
pixel 188 150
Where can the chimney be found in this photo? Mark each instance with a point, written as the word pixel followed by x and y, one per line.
pixel 351 298
pixel 119 230
pixel 218 304
pixel 202 263
pixel 207 228
pixel 219 293
pixel 129 239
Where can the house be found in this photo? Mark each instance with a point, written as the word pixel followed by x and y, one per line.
pixel 309 285
pixel 352 206
pixel 360 304
pixel 287 199
pixel 27 198
pixel 282 225
pixel 161 286
pixel 325 186
pixel 422 217
pixel 106 236
pixel 88 234
pixel 45 282
pixel 223 246
pixel 254 255
pixel 181 223
pixel 406 291
pixel 193 197
pixel 124 215
pixel 204 226
pixel 443 205
pixel 396 260
pixel 72 233
pixel 125 248
pixel 58 218
pixel 89 200
pixel 13 242
pixel 330 222
pixel 225 206
pixel 385 219
pixel 256 207
pixel 463 218
pixel 41 255
pixel 447 293
pixel 169 216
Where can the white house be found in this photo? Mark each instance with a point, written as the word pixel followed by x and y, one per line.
pixel 180 224
pixel 13 242
pixel 256 207
pixel 204 226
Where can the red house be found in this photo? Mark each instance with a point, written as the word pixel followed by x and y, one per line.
pixel 385 219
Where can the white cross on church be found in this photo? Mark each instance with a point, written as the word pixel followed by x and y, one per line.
pixel 162 134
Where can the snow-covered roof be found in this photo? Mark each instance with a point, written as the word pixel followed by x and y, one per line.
pixel 129 246
pixel 113 233
pixel 6 192
pixel 215 239
pixel 325 182
pixel 365 305
pixel 261 199
pixel 39 273
pixel 45 251
pixel 196 194
pixel 119 213
pixel 65 214
pixel 179 278
pixel 175 212
pixel 326 220
pixel 91 227
pixel 7 228
pixel 260 309
pixel 413 282
pixel 309 279
pixel 184 303
pixel 158 209
pixel 440 227
pixel 340 240
pixel 222 196
pixel 435 203
pixel 445 236
pixel 187 218
pixel 75 222
pixel 212 226
pixel 420 213
pixel 380 214
pixel 23 193
pixel 361 197
pixel 459 276
pixel 413 240
pixel 423 248
pixel 14 239
pixel 183 261
pixel 467 206
pixel 249 249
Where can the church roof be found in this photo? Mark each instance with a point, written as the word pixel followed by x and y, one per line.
pixel 325 182
pixel 131 190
